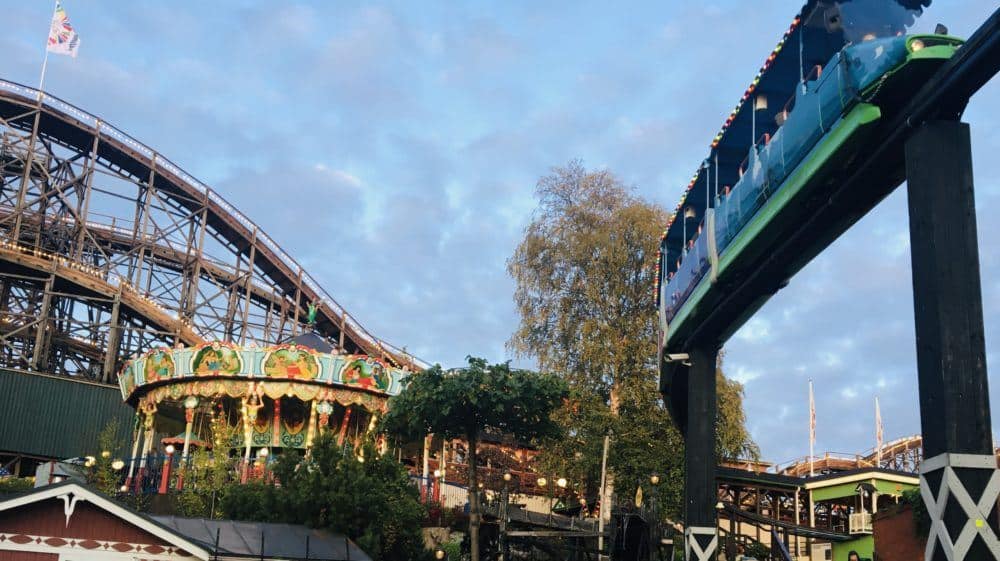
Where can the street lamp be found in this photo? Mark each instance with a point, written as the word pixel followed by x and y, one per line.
pixel 504 509
pixel 561 482
pixel 654 535
pixel 117 465
pixel 440 553
pixel 165 472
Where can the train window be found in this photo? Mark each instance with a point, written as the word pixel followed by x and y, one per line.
pixel 815 73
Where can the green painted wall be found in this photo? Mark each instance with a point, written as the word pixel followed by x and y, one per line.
pixel 865 546
pixel 835 492
pixel 58 417
pixel 893 488
pixel 850 489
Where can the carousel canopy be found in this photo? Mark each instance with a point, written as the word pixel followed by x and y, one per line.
pixel 226 369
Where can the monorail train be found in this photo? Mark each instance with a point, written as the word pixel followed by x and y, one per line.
pixel 834 109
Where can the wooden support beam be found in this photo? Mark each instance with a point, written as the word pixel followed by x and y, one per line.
pixel 701 518
pixel 951 350
pixel 111 352
pixel 39 357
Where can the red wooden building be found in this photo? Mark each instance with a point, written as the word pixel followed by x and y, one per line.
pixel 71 522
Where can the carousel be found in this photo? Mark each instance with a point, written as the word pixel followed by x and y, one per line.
pixel 258 400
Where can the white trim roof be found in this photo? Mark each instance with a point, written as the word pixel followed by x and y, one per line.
pixel 82 493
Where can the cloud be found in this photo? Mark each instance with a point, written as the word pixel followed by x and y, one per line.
pixel 393 150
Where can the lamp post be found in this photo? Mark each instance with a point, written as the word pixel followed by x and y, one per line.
pixel 263 453
pixel 504 506
pixel 165 472
pixel 654 530
pixel 438 479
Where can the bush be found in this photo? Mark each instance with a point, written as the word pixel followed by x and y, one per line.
pixel 12 485
pixel 371 501
pixel 921 519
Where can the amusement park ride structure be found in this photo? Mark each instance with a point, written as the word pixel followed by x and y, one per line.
pixel 877 107
pixel 110 249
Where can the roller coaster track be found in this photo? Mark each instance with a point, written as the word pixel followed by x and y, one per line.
pixel 903 454
pixel 108 249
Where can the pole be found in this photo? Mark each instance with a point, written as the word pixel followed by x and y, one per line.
pixel 812 428
pixel 137 430
pixel 45 61
pixel 426 474
pixel 605 507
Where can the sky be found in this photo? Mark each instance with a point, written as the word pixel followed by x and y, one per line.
pixel 393 150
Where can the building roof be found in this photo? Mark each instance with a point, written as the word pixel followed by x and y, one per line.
pixel 862 474
pixel 197 536
pixel 729 474
pixel 311 340
pixel 278 541
pixel 72 493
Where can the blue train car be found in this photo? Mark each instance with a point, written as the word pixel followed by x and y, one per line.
pixel 745 194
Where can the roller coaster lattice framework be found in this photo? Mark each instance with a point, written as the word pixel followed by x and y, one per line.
pixel 108 249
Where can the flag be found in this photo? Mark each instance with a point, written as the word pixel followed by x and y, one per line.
pixel 879 436
pixel 63 39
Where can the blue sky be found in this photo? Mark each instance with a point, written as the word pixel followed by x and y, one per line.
pixel 393 149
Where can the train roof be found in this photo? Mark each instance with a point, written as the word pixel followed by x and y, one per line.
pixel 820 30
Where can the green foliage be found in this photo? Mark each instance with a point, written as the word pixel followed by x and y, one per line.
pixel 733 440
pixel 206 478
pixel 370 501
pixel 921 518
pixel 482 397
pixel 453 550
pixel 585 272
pixel 758 550
pixel 101 474
pixel 12 485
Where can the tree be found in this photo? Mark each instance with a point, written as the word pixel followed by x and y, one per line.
pixel 101 473
pixel 367 497
pixel 490 398
pixel 584 275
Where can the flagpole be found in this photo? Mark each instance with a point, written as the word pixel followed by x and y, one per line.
pixel 45 61
pixel 879 436
pixel 812 428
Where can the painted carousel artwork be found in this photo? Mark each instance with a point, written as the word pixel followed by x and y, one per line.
pixel 264 399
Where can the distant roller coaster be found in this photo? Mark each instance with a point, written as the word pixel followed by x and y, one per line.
pixel 107 249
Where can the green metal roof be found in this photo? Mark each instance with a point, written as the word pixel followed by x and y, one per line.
pixel 57 417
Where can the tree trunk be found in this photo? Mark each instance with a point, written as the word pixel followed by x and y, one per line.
pixel 473 499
